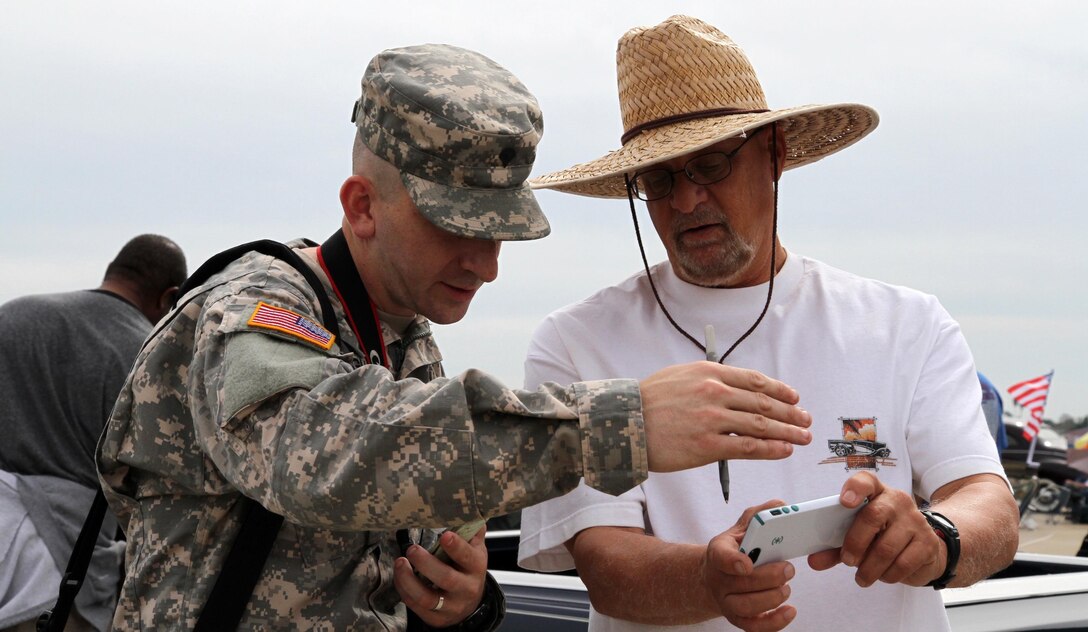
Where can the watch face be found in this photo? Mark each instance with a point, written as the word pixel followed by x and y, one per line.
pixel 939 521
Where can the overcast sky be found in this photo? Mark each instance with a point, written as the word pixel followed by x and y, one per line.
pixel 220 122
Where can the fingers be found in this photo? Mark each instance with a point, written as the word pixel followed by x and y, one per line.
pixel 752 604
pixel 859 487
pixel 930 569
pixel 422 598
pixel 900 555
pixel 765 401
pixel 415 593
pixel 889 541
pixel 443 594
pixel 767 621
pixel 741 526
pixel 470 555
pixel 703 412
pixel 911 561
pixel 729 446
pixel 465 557
pixel 756 601
pixel 881 513
pixel 884 553
pixel 749 380
pixel 751 598
pixel 723 552
pixel 756 415
pixel 824 560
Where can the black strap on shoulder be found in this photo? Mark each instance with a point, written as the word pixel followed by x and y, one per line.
pixel 245 561
pixel 272 249
pixel 53 620
pixel 336 261
pixel 241 569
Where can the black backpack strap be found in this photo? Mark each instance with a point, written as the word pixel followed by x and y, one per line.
pixel 245 561
pixel 54 619
pixel 241 569
pixel 272 249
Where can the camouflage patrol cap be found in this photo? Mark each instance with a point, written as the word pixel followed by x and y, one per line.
pixel 463 131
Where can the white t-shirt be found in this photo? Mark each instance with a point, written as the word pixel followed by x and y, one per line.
pixel 871 362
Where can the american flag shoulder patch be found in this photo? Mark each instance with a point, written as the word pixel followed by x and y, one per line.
pixel 284 320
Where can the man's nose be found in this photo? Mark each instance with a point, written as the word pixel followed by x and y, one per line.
pixel 481 258
pixel 685 194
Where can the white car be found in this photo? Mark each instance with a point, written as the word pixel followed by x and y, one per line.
pixel 1037 592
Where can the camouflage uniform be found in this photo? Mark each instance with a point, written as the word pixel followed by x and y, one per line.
pixel 216 408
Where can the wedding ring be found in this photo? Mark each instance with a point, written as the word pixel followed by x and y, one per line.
pixel 438 606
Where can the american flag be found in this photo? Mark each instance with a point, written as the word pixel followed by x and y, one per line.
pixel 1031 395
pixel 297 325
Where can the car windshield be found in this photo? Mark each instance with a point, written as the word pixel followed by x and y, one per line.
pixel 1051 439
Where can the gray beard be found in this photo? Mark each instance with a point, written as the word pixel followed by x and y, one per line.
pixel 734 257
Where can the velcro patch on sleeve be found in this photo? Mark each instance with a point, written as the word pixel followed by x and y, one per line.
pixel 284 320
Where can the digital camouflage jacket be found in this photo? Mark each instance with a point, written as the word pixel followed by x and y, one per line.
pixel 217 407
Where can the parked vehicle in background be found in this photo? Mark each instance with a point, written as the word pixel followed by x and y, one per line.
pixel 1038 592
pixel 1051 450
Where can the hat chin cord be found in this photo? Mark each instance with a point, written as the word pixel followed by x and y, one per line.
pixel 774 251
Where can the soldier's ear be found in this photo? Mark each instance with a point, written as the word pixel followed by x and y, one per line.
pixel 357 196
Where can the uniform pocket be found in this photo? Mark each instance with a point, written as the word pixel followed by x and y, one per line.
pixel 321 546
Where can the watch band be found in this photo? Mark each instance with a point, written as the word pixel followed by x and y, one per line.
pixel 947 532
pixel 487 617
pixel 489 614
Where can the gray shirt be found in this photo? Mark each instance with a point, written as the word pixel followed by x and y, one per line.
pixel 63 359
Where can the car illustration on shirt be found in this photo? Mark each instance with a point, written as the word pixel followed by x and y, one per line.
pixel 859 447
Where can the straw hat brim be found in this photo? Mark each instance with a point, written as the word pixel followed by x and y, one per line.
pixel 811 133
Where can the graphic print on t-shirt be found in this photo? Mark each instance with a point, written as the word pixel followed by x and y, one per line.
pixel 859 448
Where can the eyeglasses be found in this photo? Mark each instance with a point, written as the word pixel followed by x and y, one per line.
pixel 703 169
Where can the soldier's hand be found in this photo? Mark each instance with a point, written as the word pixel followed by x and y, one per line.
pixel 704 412
pixel 751 598
pixel 455 589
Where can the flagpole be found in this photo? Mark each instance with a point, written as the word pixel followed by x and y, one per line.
pixel 1031 452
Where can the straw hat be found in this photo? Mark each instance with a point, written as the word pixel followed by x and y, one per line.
pixel 685 85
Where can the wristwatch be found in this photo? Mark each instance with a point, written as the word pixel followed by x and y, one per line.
pixel 489 614
pixel 946 531
pixel 487 617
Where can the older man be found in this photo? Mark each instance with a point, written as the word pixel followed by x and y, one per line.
pixel 262 395
pixel 883 370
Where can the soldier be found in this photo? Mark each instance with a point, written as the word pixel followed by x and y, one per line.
pixel 243 392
